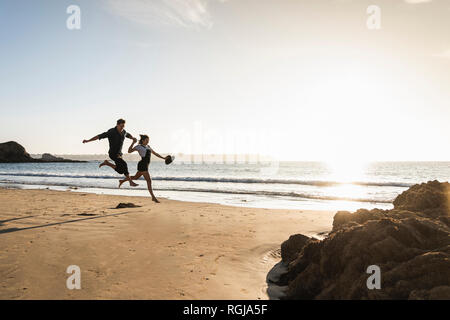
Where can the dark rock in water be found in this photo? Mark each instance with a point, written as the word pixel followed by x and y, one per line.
pixel 12 152
pixel 410 244
pixel 50 157
pixel 127 205
pixel 47 157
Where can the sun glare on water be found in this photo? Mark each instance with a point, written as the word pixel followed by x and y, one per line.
pixel 347 171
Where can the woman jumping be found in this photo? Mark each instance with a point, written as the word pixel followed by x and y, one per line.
pixel 145 152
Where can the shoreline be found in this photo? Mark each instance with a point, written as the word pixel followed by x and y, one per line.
pixel 172 250
pixel 246 200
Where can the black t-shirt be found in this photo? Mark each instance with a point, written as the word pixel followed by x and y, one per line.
pixel 115 139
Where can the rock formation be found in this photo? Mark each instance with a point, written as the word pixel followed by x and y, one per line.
pixel 410 244
pixel 51 158
pixel 12 152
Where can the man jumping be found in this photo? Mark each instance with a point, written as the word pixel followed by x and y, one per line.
pixel 116 136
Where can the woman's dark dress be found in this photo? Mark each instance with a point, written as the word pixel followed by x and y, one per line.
pixel 143 164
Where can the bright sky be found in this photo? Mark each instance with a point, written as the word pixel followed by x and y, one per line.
pixel 295 79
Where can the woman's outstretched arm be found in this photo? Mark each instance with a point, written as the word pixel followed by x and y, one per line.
pixel 158 155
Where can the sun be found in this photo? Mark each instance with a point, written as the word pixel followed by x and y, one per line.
pixel 347 170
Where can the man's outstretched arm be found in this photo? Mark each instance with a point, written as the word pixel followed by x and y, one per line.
pixel 97 137
pixel 91 139
pixel 129 136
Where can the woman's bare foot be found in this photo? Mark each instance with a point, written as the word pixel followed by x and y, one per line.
pixel 133 184
pixel 156 200
pixel 104 163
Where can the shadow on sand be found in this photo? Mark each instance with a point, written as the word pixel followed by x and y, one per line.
pixel 9 230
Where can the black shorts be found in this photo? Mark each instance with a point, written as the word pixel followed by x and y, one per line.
pixel 121 165
pixel 142 165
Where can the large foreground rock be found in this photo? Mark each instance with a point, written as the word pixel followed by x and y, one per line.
pixel 410 244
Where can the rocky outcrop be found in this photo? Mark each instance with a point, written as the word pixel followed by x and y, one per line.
pixel 432 199
pixel 410 244
pixel 50 157
pixel 289 248
pixel 12 152
pixel 47 157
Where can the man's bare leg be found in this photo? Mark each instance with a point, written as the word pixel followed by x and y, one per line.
pixel 135 177
pixel 107 163
pixel 127 178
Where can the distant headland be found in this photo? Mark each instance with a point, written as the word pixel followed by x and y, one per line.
pixel 13 152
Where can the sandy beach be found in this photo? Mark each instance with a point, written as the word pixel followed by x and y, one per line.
pixel 171 250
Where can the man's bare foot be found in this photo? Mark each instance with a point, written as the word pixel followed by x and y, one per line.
pixel 121 182
pixel 104 163
pixel 133 184
pixel 156 200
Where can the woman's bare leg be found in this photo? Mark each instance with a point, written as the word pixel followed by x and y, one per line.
pixel 149 185
pixel 135 177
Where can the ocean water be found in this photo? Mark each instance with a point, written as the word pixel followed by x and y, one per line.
pixel 290 185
